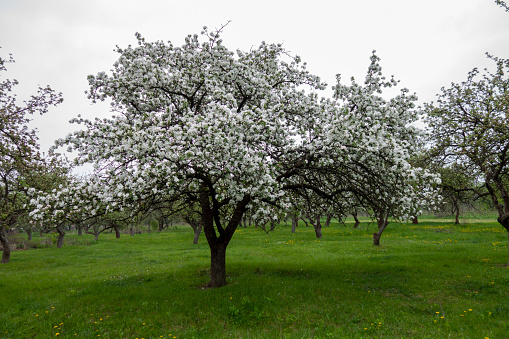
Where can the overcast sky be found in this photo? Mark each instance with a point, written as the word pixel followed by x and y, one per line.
pixel 425 44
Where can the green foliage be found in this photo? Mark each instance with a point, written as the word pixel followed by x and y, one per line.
pixel 435 279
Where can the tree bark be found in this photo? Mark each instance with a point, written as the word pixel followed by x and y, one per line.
pixel 117 232
pixel 295 222
pixel 29 233
pixel 318 227
pixel 60 239
pixel 160 223
pixel 6 247
pixel 357 222
pixel 80 229
pixel 218 244
pixel 382 221
pixel 457 215
pixel 197 232
pixel 327 221
pixel 415 220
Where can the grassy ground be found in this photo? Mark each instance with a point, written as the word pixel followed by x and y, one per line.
pixel 431 280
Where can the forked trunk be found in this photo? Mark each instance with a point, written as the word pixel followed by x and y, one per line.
pixel 218 244
pixel 6 247
pixel 96 236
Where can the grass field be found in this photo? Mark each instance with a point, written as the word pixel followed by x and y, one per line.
pixel 431 280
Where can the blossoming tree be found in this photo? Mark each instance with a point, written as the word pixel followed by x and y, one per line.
pixel 469 124
pixel 21 165
pixel 224 133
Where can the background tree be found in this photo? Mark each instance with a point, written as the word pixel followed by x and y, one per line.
pixel 470 126
pixel 20 160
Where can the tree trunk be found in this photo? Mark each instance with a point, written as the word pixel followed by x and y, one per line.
pixel 217 266
pixel 80 229
pixel 457 216
pixel 6 247
pixel 60 239
pixel 382 221
pixel 415 220
pixel 117 232
pixel 197 232
pixel 29 233
pixel 131 229
pixel 295 222
pixel 219 243
pixel 357 222
pixel 160 224
pixel 327 221
pixel 96 236
pixel 318 228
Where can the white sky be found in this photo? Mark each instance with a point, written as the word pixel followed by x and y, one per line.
pixel 425 44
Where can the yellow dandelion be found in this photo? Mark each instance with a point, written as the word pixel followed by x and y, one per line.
pixel 437 312
pixel 57 333
pixel 469 310
pixel 36 315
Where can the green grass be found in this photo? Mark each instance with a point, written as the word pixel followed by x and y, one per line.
pixel 431 280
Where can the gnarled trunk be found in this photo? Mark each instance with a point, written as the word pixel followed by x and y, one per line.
pixel 382 221
pixel 197 232
pixel 6 247
pixel 357 222
pixel 60 238
pixel 318 227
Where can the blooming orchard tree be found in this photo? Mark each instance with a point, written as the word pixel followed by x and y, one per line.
pixel 374 139
pixel 470 126
pixel 224 133
pixel 21 165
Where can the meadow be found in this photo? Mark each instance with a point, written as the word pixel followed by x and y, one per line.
pixel 431 280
